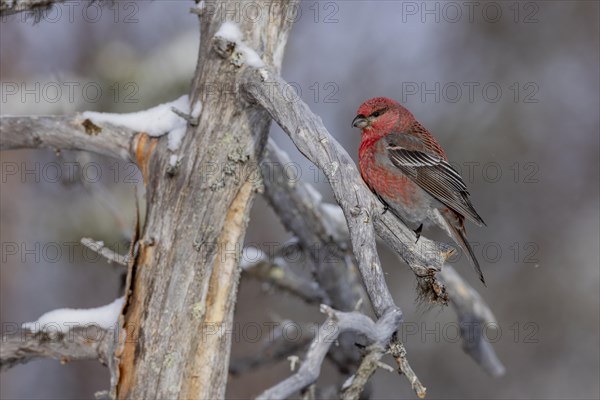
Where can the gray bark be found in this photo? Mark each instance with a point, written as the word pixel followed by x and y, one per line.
pixel 185 278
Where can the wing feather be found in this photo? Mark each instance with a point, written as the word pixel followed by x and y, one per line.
pixel 436 176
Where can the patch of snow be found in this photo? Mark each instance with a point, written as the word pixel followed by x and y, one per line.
pixel 197 109
pixel 252 58
pixel 201 6
pixel 155 121
pixel 173 160
pixel 64 319
pixel 231 32
pixel 175 137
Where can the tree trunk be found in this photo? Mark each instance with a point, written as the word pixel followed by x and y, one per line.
pixel 185 277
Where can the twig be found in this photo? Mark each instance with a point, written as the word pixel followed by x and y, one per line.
pixel 111 256
pixel 337 322
pixel 190 119
pixel 399 353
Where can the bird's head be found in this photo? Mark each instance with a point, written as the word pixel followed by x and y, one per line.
pixel 381 114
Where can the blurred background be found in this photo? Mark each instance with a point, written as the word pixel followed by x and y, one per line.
pixel 510 89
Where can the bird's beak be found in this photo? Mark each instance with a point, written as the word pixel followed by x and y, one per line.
pixel 360 122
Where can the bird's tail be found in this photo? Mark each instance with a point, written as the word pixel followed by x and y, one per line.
pixel 459 234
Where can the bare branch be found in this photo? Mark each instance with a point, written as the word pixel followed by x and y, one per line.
pixel 111 256
pixel 78 344
pixel 337 322
pixel 193 121
pixel 474 316
pixel 65 133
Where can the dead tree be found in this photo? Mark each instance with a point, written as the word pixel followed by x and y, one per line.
pixel 184 264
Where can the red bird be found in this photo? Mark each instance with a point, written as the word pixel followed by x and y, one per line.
pixel 407 169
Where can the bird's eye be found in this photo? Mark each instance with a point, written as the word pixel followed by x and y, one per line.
pixel 377 113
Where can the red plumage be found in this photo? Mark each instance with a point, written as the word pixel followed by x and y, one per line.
pixel 407 169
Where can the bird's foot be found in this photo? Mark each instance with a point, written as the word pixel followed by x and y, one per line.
pixel 385 208
pixel 418 233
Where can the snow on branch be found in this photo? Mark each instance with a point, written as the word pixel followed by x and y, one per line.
pixel 65 319
pixel 65 334
pixel 81 343
pixel 168 118
pixel 337 322
pixel 228 41
pixel 109 134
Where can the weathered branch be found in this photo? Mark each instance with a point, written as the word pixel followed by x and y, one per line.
pixel 337 322
pixel 66 133
pixel 78 344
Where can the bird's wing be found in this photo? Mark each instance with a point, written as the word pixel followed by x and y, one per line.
pixel 432 173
